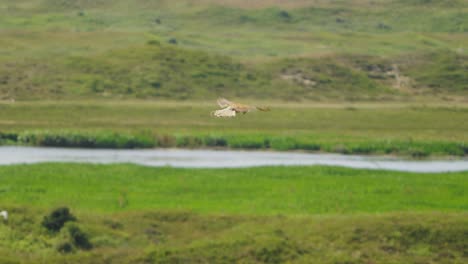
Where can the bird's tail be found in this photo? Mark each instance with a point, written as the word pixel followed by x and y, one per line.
pixel 263 108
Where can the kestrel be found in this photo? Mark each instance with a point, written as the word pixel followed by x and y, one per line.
pixel 230 109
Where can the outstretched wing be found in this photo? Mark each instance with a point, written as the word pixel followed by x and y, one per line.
pixel 230 108
pixel 226 112
pixel 222 102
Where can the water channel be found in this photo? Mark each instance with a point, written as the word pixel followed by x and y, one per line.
pixel 183 158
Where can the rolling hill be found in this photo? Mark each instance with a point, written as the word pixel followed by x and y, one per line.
pixel 282 50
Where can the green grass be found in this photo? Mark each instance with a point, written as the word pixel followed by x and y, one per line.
pixel 262 215
pixel 302 190
pixel 401 129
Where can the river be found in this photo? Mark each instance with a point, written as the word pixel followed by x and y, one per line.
pixel 183 158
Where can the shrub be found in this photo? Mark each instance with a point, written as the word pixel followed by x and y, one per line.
pixel 363 148
pixel 464 148
pixel 277 251
pixel 73 238
pixel 28 138
pixel 78 238
pixel 283 143
pixel 383 26
pixel 86 140
pixel 113 224
pixel 284 15
pixel 57 218
pixel 308 146
pixel 166 141
pixel 247 142
pixel 8 136
pixel 65 247
pixel 215 141
pixel 153 42
pixel 340 148
pixel 287 143
pixel 188 142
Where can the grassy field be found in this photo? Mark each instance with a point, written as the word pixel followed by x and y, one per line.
pixel 241 191
pixel 263 215
pixel 399 128
pixel 283 50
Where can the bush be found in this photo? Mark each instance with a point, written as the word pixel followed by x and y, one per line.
pixel 57 218
pixel 188 142
pixel 153 42
pixel 167 141
pixel 73 238
pixel 283 143
pixel 284 15
pixel 418 153
pixel 86 140
pixel 247 142
pixel 339 148
pixel 8 136
pixel 214 141
pixel 464 148
pixel 363 148
pixel 79 238
pixel 308 146
pixel 65 247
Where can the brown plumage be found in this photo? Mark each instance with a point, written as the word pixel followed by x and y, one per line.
pixel 230 109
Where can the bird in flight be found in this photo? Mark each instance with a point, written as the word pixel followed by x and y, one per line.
pixel 230 109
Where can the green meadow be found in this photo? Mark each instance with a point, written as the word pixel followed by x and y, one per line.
pixel 258 191
pixel 135 214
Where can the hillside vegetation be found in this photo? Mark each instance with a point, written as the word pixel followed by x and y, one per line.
pixel 286 50
pixel 134 214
